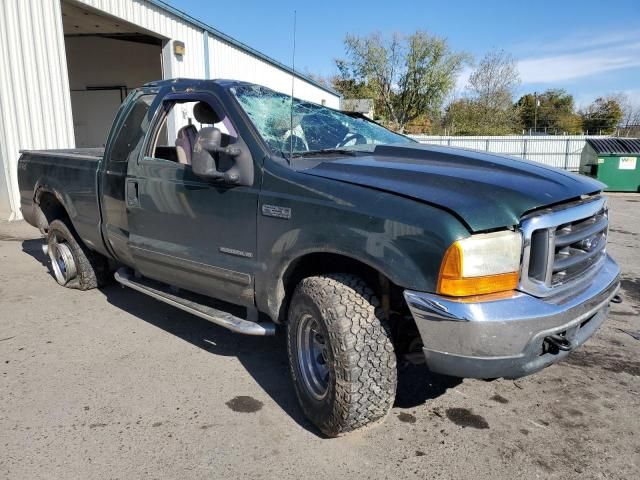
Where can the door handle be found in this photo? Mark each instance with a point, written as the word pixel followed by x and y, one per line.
pixel 132 193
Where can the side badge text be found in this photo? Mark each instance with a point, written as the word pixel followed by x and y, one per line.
pixel 276 211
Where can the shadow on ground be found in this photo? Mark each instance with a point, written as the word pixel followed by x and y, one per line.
pixel 264 358
pixel 33 247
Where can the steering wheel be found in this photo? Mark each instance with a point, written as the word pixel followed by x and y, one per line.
pixel 358 137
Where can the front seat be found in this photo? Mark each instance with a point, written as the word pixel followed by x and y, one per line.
pixel 185 141
pixel 207 116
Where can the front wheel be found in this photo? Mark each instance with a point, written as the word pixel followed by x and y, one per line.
pixel 341 355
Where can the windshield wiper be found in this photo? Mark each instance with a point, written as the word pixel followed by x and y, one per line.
pixel 325 151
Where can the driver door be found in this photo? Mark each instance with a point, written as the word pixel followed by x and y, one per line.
pixel 186 231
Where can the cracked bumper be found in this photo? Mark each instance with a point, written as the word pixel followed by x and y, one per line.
pixel 505 337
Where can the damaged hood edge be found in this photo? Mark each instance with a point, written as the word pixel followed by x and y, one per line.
pixel 486 191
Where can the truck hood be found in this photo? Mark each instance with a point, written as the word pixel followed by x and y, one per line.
pixel 486 191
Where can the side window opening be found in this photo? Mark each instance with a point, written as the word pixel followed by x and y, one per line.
pixel 190 117
pixel 130 137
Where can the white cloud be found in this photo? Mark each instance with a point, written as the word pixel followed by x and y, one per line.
pixel 577 57
pixel 568 67
pixel 571 61
pixel 575 42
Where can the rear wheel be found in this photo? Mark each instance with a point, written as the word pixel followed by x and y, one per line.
pixel 72 263
pixel 342 359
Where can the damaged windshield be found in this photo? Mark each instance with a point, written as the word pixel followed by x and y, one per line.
pixel 307 127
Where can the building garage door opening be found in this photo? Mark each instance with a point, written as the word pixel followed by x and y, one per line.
pixel 106 58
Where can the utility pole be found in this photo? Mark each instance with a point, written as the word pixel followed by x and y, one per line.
pixel 535 112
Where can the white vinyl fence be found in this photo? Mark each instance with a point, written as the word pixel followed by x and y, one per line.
pixel 556 150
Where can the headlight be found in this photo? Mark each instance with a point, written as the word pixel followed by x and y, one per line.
pixel 479 264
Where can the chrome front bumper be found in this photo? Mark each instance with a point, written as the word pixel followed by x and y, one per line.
pixel 506 337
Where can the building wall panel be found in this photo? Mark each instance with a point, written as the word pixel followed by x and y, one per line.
pixel 230 62
pixel 35 108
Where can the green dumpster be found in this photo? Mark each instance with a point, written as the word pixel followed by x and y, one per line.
pixel 613 161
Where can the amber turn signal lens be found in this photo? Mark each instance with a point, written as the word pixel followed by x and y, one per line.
pixel 462 287
pixel 452 283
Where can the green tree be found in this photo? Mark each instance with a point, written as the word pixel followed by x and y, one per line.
pixel 603 116
pixel 462 117
pixel 408 76
pixel 348 85
pixel 555 112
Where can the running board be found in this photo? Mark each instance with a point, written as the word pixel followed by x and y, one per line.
pixel 163 293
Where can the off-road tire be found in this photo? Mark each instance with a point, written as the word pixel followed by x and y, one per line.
pixel 92 268
pixel 361 357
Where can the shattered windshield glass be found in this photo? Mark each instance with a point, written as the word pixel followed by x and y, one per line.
pixel 308 127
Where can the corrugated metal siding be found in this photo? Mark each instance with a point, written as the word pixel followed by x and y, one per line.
pixel 556 151
pixel 35 108
pixel 228 61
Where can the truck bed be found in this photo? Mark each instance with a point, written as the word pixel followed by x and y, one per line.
pixel 71 176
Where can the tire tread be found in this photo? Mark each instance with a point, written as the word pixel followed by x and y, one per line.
pixel 364 357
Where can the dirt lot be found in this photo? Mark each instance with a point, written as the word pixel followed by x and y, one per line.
pixel 112 384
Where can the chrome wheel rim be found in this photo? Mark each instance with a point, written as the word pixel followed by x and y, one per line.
pixel 62 262
pixel 313 357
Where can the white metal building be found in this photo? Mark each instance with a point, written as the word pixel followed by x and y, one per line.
pixel 66 65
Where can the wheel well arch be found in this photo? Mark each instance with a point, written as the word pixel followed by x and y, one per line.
pixel 48 207
pixel 321 263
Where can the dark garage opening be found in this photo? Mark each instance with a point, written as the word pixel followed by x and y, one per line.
pixel 106 58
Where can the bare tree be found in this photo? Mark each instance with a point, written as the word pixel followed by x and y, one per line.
pixel 488 108
pixel 409 75
pixel 630 110
pixel 495 79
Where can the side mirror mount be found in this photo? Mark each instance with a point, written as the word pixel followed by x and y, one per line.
pixel 209 155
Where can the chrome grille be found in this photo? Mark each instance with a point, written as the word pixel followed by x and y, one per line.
pixel 563 246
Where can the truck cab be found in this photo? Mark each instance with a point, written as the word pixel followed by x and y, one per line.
pixel 156 206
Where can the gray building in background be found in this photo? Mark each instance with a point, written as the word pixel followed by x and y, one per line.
pixel 66 65
pixel 360 105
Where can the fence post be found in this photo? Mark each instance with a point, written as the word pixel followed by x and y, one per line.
pixel 524 149
pixel 486 147
pixel 566 155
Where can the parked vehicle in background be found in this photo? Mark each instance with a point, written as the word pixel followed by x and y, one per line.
pixel 265 211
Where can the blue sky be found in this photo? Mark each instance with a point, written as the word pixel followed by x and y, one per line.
pixel 590 48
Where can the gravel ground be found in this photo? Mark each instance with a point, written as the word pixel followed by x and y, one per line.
pixel 112 384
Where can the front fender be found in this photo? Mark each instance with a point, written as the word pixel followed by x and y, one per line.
pixel 400 237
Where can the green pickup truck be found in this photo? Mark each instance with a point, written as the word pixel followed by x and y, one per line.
pixel 254 210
